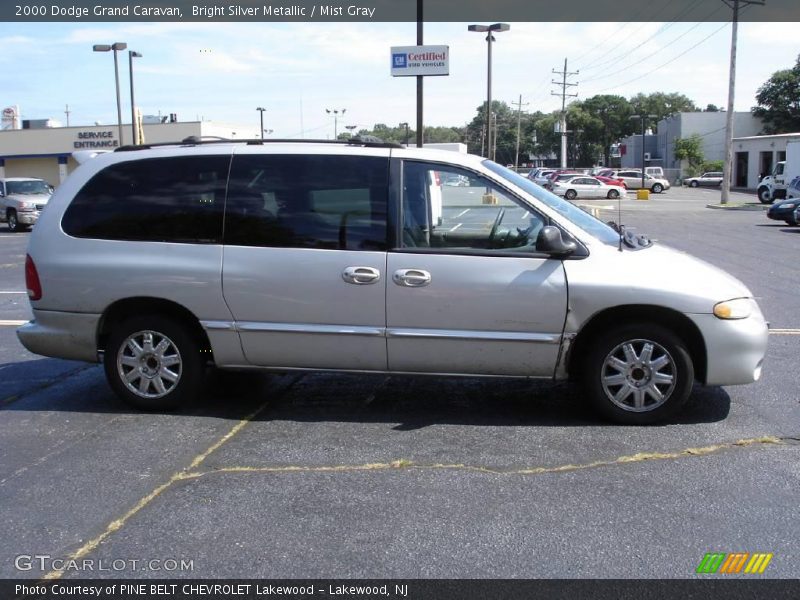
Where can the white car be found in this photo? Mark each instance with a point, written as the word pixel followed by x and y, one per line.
pixel 22 199
pixel 583 186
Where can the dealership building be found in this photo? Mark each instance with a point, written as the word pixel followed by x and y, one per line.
pixel 47 152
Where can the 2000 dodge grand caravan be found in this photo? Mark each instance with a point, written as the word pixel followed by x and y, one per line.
pixel 160 260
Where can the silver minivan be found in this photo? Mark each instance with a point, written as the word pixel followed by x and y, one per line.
pixel 161 261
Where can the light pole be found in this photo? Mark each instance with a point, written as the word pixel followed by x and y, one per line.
pixel 131 56
pixel 643 117
pixel 116 47
pixel 336 113
pixel 261 115
pixel 489 29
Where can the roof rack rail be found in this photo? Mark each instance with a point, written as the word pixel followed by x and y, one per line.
pixel 367 141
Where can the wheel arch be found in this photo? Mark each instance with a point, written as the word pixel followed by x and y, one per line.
pixel 144 305
pixel 659 315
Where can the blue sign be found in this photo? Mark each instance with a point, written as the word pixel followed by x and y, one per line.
pixel 399 61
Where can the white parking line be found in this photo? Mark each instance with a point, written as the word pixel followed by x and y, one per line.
pixel 11 323
pixel 456 227
pixel 462 213
pixel 785 331
pixel 12 292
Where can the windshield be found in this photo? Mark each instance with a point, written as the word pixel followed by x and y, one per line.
pixel 34 186
pixel 594 227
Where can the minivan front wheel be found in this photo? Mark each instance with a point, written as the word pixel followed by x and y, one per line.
pixel 153 363
pixel 638 374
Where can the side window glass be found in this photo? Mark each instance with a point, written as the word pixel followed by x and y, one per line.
pixel 307 201
pixel 451 208
pixel 176 199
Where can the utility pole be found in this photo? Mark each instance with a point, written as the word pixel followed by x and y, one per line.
pixel 66 112
pixel 420 78
pixel 564 95
pixel 727 170
pixel 519 120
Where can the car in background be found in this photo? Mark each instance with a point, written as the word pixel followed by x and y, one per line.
pixel 785 210
pixel 612 181
pixel 584 186
pixel 22 199
pixel 557 176
pixel 633 181
pixel 797 215
pixel 712 178
pixel 543 175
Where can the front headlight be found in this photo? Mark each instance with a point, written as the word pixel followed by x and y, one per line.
pixel 27 206
pixel 790 205
pixel 738 308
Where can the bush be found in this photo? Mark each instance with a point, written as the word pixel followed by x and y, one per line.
pixel 712 165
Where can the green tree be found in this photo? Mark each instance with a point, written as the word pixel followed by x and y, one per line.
pixel 691 150
pixel 712 108
pixel 662 105
pixel 779 101
pixel 609 120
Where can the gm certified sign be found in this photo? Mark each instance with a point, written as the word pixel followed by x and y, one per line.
pixel 408 61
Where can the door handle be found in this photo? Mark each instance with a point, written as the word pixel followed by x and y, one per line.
pixel 361 275
pixel 411 277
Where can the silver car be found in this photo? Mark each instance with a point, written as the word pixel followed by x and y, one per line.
pixel 633 181
pixel 22 199
pixel 713 178
pixel 162 261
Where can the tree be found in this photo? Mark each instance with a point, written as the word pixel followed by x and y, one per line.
pixel 691 150
pixel 712 108
pixel 779 101
pixel 609 120
pixel 661 105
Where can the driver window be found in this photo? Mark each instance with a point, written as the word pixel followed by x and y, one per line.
pixel 451 208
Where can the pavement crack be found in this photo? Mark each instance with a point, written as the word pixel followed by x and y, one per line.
pixel 404 464
pixel 47 384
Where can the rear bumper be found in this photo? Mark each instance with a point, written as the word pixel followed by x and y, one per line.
pixel 61 335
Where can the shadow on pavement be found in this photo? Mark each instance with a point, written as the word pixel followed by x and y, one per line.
pixel 413 401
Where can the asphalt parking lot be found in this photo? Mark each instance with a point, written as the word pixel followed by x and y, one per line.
pixel 352 476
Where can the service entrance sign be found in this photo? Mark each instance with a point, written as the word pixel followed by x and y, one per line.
pixel 409 61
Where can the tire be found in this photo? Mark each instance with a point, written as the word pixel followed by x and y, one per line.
pixel 159 380
pixel 638 398
pixel 764 196
pixel 791 221
pixel 14 226
pixel 693 184
pixel 657 188
pixel 570 194
pixel 612 194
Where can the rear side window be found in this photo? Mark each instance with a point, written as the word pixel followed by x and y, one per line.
pixel 176 199
pixel 308 201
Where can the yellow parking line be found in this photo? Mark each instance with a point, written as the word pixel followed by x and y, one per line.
pixel 185 473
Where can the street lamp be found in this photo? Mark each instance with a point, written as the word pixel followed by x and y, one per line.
pixel 644 118
pixel 261 114
pixel 135 138
pixel 116 47
pixel 489 29
pixel 336 113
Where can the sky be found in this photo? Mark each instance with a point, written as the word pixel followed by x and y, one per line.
pixel 221 71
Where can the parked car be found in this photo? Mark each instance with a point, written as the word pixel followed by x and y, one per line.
pixel 712 178
pixel 633 181
pixel 583 186
pixel 784 210
pixel 160 262
pixel 22 199
pixel 797 216
pixel 612 181
pixel 557 176
pixel 543 176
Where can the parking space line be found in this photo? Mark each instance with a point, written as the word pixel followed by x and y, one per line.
pixel 784 331
pixel 401 464
pixel 185 473
pixel 13 292
pixel 11 323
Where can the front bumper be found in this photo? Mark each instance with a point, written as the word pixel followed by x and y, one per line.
pixel 58 334
pixel 28 217
pixel 735 349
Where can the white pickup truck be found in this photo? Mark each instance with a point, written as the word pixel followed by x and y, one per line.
pixel 22 199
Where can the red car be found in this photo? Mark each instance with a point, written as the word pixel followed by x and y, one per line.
pixel 611 181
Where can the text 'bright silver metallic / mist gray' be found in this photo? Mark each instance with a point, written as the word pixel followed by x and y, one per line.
pixel 369 258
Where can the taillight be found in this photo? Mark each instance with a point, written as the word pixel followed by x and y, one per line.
pixel 32 279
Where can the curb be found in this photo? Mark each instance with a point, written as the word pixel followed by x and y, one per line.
pixel 738 206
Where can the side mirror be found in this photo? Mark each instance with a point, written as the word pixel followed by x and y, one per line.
pixel 550 242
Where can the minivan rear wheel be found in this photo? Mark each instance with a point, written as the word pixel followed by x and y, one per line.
pixel 638 374
pixel 153 363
